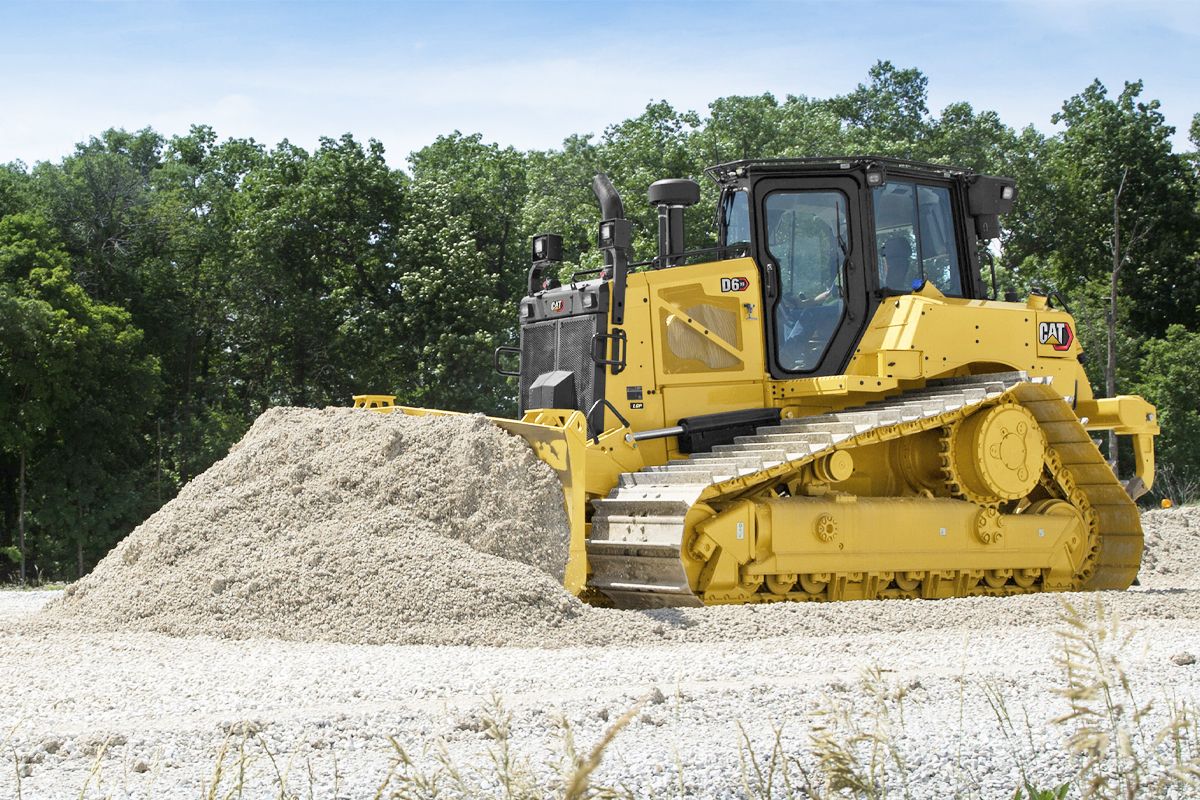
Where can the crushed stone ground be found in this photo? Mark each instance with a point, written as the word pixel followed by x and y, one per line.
pixel 1172 555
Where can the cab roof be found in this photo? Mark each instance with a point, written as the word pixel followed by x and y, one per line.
pixel 732 172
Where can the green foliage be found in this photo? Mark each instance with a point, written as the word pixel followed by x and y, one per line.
pixel 1170 373
pixel 16 192
pixel 445 324
pixel 313 265
pixel 1110 146
pixel 78 384
pixel 888 116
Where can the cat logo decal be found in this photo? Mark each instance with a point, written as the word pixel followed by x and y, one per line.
pixel 1056 334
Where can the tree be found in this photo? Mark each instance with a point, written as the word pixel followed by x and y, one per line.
pixel 739 128
pixel 486 185
pixel 1125 195
pixel 193 194
pixel 1123 212
pixel 962 137
pixel 1170 373
pixel 99 201
pixel 889 115
pixel 76 385
pixel 443 328
pixel 315 266
pixel 16 190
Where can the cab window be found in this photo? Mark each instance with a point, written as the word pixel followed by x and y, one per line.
pixel 914 238
pixel 807 238
pixel 737 218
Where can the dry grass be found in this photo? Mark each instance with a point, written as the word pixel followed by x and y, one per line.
pixel 1118 754
pixel 507 774
pixel 1178 488
pixel 1110 748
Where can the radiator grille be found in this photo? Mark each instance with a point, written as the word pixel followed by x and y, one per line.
pixel 561 344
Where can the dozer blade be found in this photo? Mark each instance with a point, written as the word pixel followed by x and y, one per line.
pixel 560 438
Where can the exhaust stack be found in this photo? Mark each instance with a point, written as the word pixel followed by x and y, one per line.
pixel 615 239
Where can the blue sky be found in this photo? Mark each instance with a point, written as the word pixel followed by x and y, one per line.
pixel 530 73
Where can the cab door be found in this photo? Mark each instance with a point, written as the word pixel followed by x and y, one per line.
pixel 810 246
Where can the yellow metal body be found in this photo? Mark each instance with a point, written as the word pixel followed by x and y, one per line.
pixel 1006 496
pixel 701 351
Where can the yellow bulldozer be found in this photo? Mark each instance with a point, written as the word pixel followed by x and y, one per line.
pixel 828 405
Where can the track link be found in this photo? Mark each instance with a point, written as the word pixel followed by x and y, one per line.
pixel 639 531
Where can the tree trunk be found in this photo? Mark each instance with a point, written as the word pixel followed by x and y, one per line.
pixel 1110 366
pixel 21 514
pixel 78 539
pixel 158 464
pixel 8 501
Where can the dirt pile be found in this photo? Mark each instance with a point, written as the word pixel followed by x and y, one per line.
pixel 349 526
pixel 1172 555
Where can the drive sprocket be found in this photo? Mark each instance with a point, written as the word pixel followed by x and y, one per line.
pixel 994 456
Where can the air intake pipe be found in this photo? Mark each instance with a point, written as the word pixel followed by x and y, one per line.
pixel 616 239
pixel 671 197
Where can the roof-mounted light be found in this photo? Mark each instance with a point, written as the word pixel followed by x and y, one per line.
pixel 615 233
pixel 548 247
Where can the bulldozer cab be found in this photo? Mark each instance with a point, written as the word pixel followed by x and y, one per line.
pixel 834 239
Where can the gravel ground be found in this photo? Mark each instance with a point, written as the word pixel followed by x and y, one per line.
pixel 143 715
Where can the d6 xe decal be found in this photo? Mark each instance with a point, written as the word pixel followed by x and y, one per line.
pixel 734 284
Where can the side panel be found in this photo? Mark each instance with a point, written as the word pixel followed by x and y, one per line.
pixel 635 390
pixel 695 346
pixel 924 336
